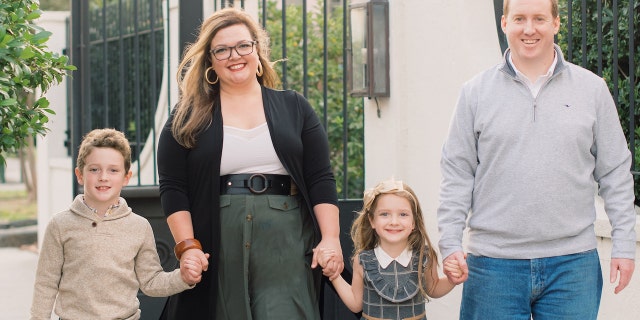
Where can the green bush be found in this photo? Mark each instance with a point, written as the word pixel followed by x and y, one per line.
pixel 25 65
pixel 625 92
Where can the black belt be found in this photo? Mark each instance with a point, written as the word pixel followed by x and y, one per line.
pixel 257 183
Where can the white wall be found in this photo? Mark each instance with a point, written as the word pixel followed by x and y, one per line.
pixel 436 45
pixel 624 305
pixel 53 165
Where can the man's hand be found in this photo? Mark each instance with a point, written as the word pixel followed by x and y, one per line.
pixel 462 273
pixel 624 267
pixel 452 267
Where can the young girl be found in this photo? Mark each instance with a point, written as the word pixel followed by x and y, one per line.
pixel 394 264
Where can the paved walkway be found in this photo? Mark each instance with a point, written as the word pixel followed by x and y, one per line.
pixel 17 274
pixel 17 266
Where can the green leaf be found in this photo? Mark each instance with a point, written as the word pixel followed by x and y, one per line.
pixel 33 15
pixel 8 102
pixel 27 53
pixel 41 37
pixel 6 39
pixel 42 103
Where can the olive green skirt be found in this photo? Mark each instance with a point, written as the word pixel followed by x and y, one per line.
pixel 265 259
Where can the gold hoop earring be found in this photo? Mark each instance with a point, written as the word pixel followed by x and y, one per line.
pixel 206 76
pixel 259 72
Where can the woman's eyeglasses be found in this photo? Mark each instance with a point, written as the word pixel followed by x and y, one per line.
pixel 242 48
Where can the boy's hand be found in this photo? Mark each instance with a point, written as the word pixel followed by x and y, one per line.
pixel 191 269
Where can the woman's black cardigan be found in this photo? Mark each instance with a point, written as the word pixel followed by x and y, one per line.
pixel 189 180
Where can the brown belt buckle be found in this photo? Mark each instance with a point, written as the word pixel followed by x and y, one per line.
pixel 250 186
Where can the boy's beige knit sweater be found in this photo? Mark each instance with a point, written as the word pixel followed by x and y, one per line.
pixel 92 267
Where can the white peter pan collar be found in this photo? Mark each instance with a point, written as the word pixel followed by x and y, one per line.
pixel 385 260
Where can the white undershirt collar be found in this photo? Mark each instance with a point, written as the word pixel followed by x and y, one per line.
pixel 535 87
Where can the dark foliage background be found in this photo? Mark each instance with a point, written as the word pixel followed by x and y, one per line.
pixel 315 84
pixel 598 33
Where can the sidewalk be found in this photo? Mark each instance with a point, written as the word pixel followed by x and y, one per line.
pixel 17 276
pixel 17 266
pixel 15 233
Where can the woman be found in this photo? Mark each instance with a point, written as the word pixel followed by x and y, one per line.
pixel 245 175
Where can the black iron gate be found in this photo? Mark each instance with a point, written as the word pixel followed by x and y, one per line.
pixel 602 36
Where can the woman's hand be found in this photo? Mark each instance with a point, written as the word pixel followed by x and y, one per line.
pixel 328 217
pixel 190 270
pixel 324 255
pixel 192 263
pixel 335 264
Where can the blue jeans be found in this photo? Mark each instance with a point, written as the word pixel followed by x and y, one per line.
pixel 563 287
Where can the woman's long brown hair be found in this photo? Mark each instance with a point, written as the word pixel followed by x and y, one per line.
pixel 194 110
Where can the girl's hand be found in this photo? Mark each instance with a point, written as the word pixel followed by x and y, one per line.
pixel 457 271
pixel 453 268
pixel 333 266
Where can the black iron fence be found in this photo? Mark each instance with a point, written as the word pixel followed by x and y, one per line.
pixel 119 54
pixel 126 46
pixel 602 36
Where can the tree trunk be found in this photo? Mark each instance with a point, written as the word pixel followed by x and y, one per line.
pixel 28 161
pixel 32 181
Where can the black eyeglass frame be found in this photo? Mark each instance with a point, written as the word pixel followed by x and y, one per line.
pixel 253 44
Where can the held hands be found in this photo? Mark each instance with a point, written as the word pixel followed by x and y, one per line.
pixel 452 267
pixel 326 259
pixel 455 267
pixel 324 256
pixel 328 254
pixel 192 263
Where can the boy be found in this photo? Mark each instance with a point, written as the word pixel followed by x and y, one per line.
pixel 98 253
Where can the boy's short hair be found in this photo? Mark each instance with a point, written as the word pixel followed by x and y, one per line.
pixel 104 138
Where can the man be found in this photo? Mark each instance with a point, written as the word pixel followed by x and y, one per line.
pixel 530 141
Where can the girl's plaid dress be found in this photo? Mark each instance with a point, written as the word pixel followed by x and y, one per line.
pixel 391 292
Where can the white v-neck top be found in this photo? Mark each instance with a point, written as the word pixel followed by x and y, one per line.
pixel 249 151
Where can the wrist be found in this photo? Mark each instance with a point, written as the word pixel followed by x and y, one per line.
pixel 331 238
pixel 185 245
